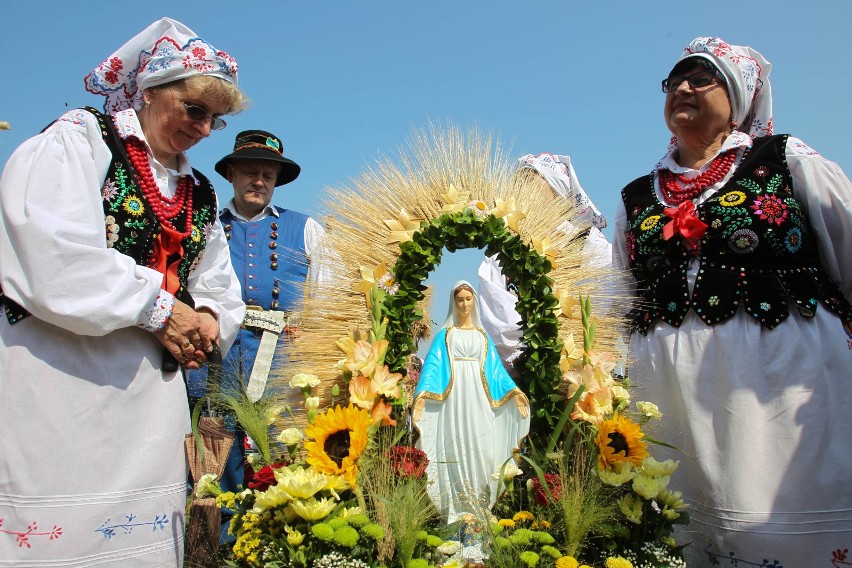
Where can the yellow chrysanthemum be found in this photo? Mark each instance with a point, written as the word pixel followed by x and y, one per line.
pixel 508 523
pixel 337 438
pixel 313 509
pixel 620 440
pixel 618 562
pixel 300 483
pixel 523 516
pixel 567 562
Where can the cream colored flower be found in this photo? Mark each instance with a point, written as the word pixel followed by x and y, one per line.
pixel 272 497
pixel 449 547
pixel 631 507
pixel 649 487
pixel 294 537
pixel 300 482
pixel 349 511
pixel 648 409
pixel 304 380
pixel 617 475
pixel 510 471
pixel 313 509
pixel 655 468
pixel 290 436
pixel 208 486
pixel 272 414
pixel 312 403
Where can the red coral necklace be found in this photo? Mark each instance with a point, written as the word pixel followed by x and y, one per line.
pixel 165 208
pixel 677 188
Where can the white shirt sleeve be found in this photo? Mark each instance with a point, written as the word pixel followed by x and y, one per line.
pixel 497 310
pixel 319 267
pixel 53 255
pixel 826 197
pixel 214 285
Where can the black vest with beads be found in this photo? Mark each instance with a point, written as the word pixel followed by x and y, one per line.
pixel 758 250
pixel 131 227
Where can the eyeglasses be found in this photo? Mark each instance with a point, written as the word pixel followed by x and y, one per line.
pixel 198 113
pixel 696 80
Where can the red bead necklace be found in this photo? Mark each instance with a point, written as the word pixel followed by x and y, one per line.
pixel 165 208
pixel 677 188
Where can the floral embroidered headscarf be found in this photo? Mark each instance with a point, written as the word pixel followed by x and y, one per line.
pixel 747 74
pixel 163 52
pixel 559 174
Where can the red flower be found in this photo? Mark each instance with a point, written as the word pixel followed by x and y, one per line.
pixel 407 461
pixel 116 64
pixel 265 477
pixel 111 76
pixel 554 483
pixel 199 52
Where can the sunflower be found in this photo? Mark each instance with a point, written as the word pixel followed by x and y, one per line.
pixel 337 438
pixel 620 440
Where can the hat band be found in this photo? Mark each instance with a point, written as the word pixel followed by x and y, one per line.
pixel 256 145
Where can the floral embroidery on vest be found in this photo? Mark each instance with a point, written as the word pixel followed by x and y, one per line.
pixel 758 250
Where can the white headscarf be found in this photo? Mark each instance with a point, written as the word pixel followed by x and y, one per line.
pixel 163 52
pixel 451 313
pixel 747 74
pixel 559 174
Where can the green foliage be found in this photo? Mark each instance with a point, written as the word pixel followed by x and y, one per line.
pixel 525 267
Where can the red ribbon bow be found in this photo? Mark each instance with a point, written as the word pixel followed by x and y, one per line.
pixel 684 223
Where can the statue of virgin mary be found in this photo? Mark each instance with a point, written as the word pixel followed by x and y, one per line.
pixel 470 414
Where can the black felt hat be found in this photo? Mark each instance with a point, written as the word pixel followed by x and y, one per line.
pixel 260 145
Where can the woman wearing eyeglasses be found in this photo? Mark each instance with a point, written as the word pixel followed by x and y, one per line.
pixel 114 271
pixel 740 244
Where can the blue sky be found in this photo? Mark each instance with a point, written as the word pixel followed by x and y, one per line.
pixel 344 82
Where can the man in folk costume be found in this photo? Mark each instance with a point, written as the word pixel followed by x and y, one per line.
pixel 275 253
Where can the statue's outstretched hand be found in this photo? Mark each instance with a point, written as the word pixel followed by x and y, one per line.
pixel 417 411
pixel 523 406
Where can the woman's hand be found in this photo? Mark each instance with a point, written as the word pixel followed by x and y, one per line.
pixel 189 335
pixel 417 411
pixel 523 406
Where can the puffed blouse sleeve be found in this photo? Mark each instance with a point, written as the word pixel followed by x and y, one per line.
pixel 214 285
pixel 826 196
pixel 54 260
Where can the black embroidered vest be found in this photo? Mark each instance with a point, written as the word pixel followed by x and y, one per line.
pixel 131 225
pixel 758 251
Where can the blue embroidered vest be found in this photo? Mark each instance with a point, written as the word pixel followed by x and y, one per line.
pixel 758 251
pixel 131 227
pixel 271 264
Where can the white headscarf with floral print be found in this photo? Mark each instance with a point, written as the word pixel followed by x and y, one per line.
pixel 163 52
pixel 747 74
pixel 559 174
